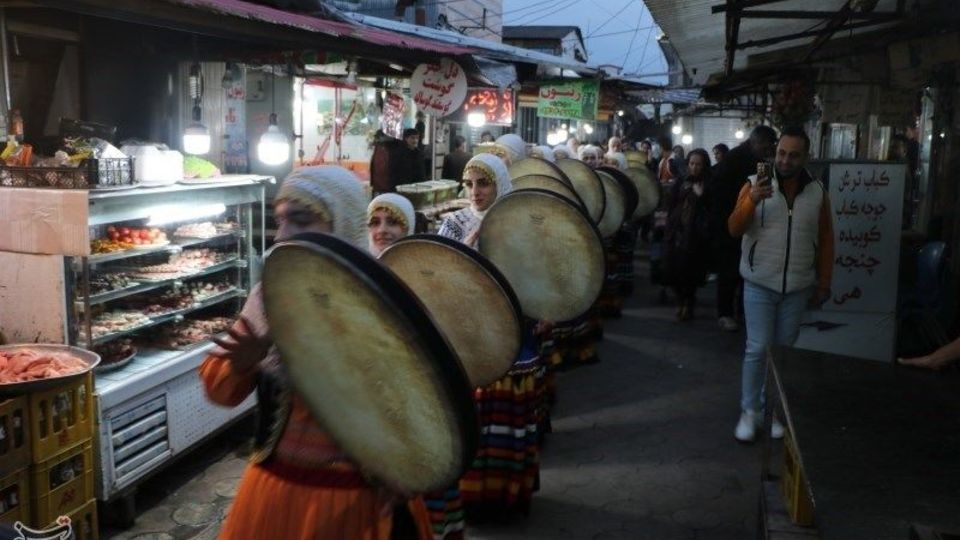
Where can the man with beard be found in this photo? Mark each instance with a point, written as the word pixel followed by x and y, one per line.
pixel 787 263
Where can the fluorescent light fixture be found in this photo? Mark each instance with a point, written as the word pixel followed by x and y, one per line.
pixel 167 214
pixel 687 139
pixel 477 119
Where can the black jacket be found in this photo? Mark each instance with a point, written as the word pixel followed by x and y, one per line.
pixel 454 163
pixel 722 195
pixel 406 165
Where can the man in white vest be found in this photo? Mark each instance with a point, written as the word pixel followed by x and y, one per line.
pixel 787 263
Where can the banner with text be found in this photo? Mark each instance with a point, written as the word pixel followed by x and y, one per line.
pixel 575 100
pixel 867 200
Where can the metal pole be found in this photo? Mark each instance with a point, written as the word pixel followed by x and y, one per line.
pixel 5 60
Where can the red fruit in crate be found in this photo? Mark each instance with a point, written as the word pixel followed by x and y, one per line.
pixel 136 241
pixel 125 231
pixel 114 235
pixel 144 234
pixel 111 228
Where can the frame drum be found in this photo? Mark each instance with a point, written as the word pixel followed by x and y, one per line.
pixel 370 363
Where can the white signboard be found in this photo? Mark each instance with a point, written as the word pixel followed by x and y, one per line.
pixel 439 89
pixel 867 200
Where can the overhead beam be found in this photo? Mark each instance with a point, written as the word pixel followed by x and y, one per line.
pixel 787 14
pixel 810 33
pixel 833 25
pixel 722 8
pixel 733 34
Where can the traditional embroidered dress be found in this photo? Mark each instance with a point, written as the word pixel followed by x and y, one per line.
pixel 505 472
pixel 299 485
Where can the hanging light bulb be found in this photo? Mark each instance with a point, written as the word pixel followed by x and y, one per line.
pixel 274 146
pixel 196 137
pixel 676 129
pixel 687 139
pixel 588 129
pixel 738 134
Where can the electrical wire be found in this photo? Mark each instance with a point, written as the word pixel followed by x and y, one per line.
pixel 632 40
pixel 612 17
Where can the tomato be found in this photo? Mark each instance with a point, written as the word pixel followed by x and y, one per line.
pixel 125 231
pixel 111 228
pixel 144 234
pixel 114 235
pixel 126 239
pixel 137 241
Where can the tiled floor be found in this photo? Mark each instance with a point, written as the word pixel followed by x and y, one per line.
pixel 642 446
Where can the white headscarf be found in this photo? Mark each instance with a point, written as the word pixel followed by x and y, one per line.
pixel 396 204
pixel 334 193
pixel 562 148
pixel 543 152
pixel 462 224
pixel 516 146
pixel 588 149
pixel 620 158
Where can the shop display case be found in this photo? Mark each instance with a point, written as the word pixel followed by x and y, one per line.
pixel 166 269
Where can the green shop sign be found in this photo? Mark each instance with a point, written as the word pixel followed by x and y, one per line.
pixel 576 100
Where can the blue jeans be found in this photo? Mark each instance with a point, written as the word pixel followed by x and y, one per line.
pixel 772 319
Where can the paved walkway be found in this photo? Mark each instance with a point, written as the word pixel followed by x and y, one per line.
pixel 642 446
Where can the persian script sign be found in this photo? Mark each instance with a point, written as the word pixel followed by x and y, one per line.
pixel 439 89
pixel 578 100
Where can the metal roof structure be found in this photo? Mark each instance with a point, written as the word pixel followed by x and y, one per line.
pixel 539 32
pixel 707 33
pixel 490 49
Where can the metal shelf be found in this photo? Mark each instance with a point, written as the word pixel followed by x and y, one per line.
pixel 173 247
pixel 168 317
pixel 145 286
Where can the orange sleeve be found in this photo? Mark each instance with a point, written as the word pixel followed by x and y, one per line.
pixel 825 243
pixel 742 216
pixel 225 386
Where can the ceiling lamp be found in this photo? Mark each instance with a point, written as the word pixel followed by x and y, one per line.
pixel 477 119
pixel 274 146
pixel 196 137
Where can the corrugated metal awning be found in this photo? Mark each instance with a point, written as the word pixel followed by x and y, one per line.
pixel 699 35
pixel 684 96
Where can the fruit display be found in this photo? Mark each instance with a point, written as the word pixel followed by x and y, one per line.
pixel 108 246
pixel 117 321
pixel 189 333
pixel 27 364
pixel 137 237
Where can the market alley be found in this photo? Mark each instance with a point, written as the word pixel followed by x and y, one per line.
pixel 641 445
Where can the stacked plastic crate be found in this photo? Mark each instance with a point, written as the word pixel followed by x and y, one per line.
pixel 46 458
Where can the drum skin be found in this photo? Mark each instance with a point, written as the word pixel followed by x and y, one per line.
pixel 370 363
pixel 469 299
pixel 632 196
pixel 548 183
pixel 549 251
pixel 534 165
pixel 615 211
pixel 648 189
pixel 587 185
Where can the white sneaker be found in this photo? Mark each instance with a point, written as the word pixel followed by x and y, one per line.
pixel 727 324
pixel 747 426
pixel 776 429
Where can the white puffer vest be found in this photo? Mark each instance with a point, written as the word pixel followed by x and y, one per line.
pixel 780 247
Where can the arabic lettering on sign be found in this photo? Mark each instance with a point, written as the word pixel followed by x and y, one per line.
pixel 439 89
pixel 496 105
pixel 867 201
pixel 577 99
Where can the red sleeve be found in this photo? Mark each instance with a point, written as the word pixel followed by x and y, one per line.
pixel 225 386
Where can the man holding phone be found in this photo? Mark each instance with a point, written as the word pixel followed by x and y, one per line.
pixel 786 226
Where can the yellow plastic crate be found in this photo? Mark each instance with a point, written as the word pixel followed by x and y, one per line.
pixel 14 436
pixel 15 497
pixel 62 485
pixel 84 522
pixel 61 418
pixel 793 486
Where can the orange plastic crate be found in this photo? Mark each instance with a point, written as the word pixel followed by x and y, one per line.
pixel 84 522
pixel 14 435
pixel 793 486
pixel 15 497
pixel 61 418
pixel 62 485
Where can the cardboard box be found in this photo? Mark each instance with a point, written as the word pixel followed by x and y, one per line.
pixel 44 221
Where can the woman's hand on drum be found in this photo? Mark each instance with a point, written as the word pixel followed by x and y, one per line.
pixel 242 346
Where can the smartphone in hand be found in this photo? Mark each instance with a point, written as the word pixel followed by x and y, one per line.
pixel 763 173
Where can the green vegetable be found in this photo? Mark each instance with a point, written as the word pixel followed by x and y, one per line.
pixel 194 167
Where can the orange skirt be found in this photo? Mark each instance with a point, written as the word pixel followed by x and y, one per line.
pixel 271 506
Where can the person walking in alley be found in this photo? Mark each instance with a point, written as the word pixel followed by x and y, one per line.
pixel 722 193
pixel 786 227
pixel 685 239
pixel 456 160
